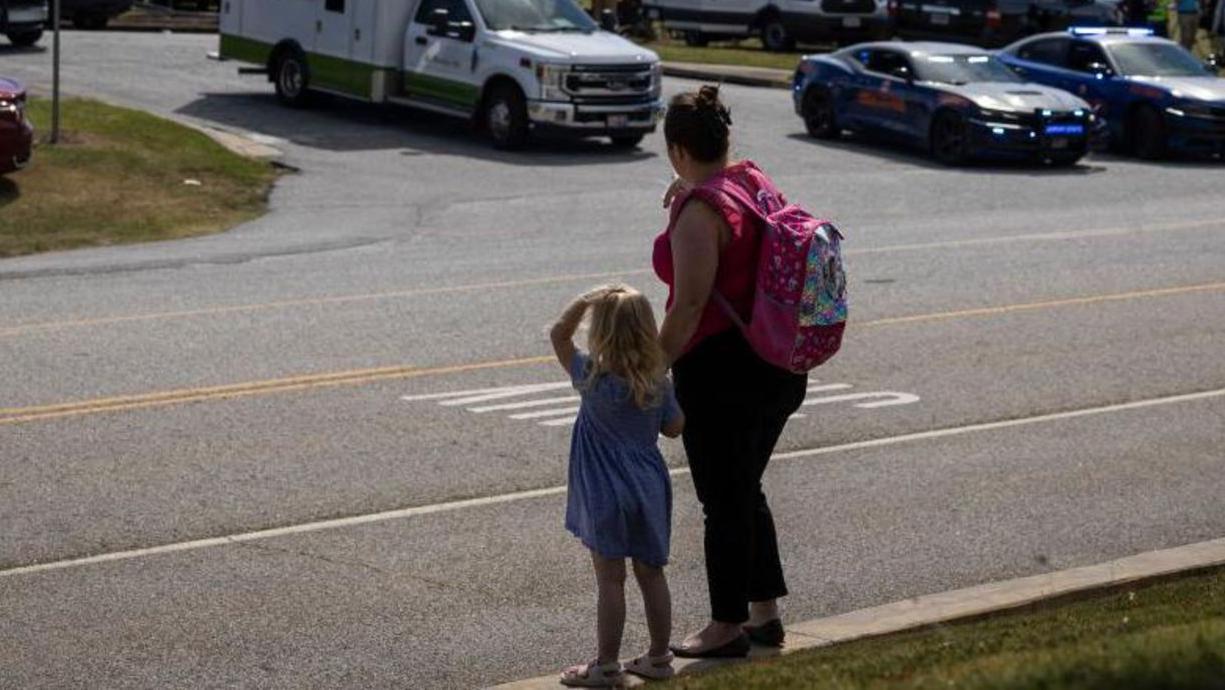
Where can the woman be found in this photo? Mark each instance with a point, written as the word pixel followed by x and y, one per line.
pixel 735 403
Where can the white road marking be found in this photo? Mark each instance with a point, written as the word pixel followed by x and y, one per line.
pixel 889 398
pixel 480 395
pixel 449 506
pixel 506 393
pixel 521 405
pixel 573 410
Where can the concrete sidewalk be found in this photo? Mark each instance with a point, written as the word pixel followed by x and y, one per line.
pixel 958 604
pixel 730 74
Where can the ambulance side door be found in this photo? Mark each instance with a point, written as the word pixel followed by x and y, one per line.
pixel 440 61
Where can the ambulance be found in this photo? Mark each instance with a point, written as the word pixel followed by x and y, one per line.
pixel 513 67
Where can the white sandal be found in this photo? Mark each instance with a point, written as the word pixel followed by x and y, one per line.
pixel 652 667
pixel 594 675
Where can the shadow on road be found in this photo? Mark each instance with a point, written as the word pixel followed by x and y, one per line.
pixel 9 191
pixel 900 153
pixel 10 49
pixel 335 124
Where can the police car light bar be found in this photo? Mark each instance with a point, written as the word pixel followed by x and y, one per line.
pixel 1109 31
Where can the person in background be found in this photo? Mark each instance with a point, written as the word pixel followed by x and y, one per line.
pixel 1216 31
pixel 598 7
pixel 1187 22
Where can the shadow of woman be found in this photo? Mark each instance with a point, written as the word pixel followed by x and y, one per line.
pixel 9 191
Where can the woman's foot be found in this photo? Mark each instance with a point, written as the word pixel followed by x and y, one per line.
pixel 652 666
pixel 715 640
pixel 594 675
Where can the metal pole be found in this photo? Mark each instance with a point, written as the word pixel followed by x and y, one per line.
pixel 55 72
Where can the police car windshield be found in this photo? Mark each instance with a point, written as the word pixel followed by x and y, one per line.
pixel 1155 60
pixel 962 69
pixel 535 15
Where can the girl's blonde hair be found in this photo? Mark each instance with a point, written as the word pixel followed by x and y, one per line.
pixel 624 340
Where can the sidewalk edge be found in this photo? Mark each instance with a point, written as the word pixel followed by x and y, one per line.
pixel 714 74
pixel 960 604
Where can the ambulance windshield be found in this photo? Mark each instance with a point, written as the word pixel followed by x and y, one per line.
pixel 535 15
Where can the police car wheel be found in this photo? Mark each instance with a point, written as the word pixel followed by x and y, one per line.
pixel 25 39
pixel 1148 136
pixel 292 79
pixel 950 138
pixel 506 117
pixel 818 113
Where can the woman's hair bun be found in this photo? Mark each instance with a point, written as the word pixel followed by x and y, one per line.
pixel 708 101
pixel 699 123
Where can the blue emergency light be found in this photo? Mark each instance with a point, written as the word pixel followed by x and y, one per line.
pixel 1109 31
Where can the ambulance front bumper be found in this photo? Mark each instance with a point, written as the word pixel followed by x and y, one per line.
pixel 596 119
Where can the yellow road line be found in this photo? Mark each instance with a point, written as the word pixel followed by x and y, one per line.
pixel 1050 304
pixel 18 415
pixel 310 302
pixel 394 294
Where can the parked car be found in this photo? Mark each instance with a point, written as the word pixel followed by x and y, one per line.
pixel 16 131
pixel 999 22
pixel 23 21
pixel 779 23
pixel 957 101
pixel 93 14
pixel 1155 96
pixel 513 67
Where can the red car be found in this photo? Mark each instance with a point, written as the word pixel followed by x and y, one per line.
pixel 16 131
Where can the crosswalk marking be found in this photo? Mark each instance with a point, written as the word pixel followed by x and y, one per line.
pixel 529 403
pixel 546 413
pixel 560 411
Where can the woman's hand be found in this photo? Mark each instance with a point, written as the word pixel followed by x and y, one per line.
pixel 678 187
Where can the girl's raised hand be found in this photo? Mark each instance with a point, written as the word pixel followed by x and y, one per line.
pixel 678 187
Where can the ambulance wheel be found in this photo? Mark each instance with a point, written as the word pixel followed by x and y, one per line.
pixel 25 39
pixel 506 117
pixel 627 141
pixel 292 79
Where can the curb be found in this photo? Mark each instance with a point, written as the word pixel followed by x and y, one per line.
pixel 759 77
pixel 959 604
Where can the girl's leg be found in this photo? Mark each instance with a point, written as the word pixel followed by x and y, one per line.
pixel 610 606
pixel 657 601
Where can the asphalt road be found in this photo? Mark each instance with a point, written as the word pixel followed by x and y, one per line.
pixel 159 395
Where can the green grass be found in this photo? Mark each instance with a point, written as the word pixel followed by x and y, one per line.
pixel 120 176
pixel 746 53
pixel 1166 636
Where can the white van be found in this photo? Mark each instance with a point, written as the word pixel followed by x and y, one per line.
pixel 512 66
pixel 779 23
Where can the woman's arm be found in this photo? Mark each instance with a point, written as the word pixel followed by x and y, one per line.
pixel 695 261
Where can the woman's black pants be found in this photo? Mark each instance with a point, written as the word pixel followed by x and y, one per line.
pixel 735 406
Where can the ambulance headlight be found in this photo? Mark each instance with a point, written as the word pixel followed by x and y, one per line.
pixel 552 80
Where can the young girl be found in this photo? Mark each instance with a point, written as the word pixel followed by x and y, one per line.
pixel 620 493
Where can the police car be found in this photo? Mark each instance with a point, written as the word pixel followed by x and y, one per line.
pixel 959 102
pixel 1156 97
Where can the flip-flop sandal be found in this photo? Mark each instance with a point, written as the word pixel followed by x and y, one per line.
pixel 594 675
pixel 652 667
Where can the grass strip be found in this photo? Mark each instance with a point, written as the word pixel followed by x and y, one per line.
pixel 121 176
pixel 1168 635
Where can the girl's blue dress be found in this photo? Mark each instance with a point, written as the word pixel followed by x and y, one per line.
pixel 620 493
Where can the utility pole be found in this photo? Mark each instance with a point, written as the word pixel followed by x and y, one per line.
pixel 55 72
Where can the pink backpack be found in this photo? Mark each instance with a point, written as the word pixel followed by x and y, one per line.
pixel 799 302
